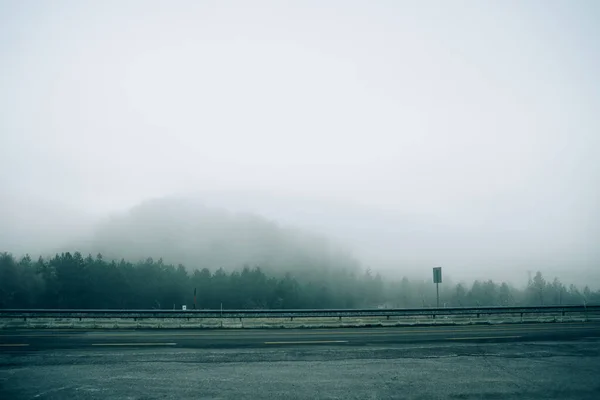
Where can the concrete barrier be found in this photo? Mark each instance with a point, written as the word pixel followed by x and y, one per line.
pixel 31 320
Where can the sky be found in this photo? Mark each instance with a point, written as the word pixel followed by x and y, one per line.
pixel 482 116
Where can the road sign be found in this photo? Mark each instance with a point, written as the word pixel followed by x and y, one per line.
pixel 437 279
pixel 184 308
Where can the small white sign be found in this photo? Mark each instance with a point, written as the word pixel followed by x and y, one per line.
pixel 184 308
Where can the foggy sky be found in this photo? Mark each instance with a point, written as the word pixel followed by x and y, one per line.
pixel 479 116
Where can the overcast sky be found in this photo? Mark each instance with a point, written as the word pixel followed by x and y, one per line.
pixel 475 112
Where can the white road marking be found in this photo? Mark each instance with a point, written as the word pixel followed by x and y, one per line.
pixel 134 344
pixel 483 337
pixel 310 342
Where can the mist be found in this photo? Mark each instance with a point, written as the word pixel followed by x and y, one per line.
pixel 390 136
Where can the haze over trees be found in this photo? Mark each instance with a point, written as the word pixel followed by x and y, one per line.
pixel 230 229
pixel 238 260
pixel 235 260
pixel 184 231
pixel 74 281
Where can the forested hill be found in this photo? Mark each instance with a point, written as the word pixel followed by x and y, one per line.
pixel 185 231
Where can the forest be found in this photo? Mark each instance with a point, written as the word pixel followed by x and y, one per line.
pixel 70 280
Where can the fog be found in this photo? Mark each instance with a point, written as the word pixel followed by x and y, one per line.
pixel 403 135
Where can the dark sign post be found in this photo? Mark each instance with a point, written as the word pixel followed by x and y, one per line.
pixel 437 279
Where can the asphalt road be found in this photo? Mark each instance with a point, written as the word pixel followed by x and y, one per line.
pixel 536 361
pixel 27 340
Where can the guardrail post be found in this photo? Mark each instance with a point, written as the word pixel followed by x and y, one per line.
pixel 388 317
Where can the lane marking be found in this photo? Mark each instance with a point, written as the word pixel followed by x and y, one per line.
pixel 310 342
pixel 361 331
pixel 438 330
pixel 134 344
pixel 13 344
pixel 250 335
pixel 129 330
pixel 483 337
pixel 398 331
pixel 246 334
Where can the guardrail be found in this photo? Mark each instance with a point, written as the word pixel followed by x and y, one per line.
pixel 303 313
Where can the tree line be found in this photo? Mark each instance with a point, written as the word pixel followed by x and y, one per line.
pixel 70 280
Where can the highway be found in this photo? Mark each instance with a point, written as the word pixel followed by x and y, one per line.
pixel 231 338
pixel 510 361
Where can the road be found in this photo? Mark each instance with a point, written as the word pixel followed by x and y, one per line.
pixel 70 339
pixel 532 361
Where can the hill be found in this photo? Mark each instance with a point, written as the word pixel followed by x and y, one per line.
pixel 186 231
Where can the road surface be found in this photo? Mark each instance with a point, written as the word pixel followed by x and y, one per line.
pixel 535 361
pixel 71 339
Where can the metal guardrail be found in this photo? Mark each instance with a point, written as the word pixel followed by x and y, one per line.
pixel 303 313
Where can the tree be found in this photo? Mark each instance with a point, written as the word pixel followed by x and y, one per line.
pixel 460 295
pixel 69 280
pixel 538 289
pixel 504 296
pixel 556 291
